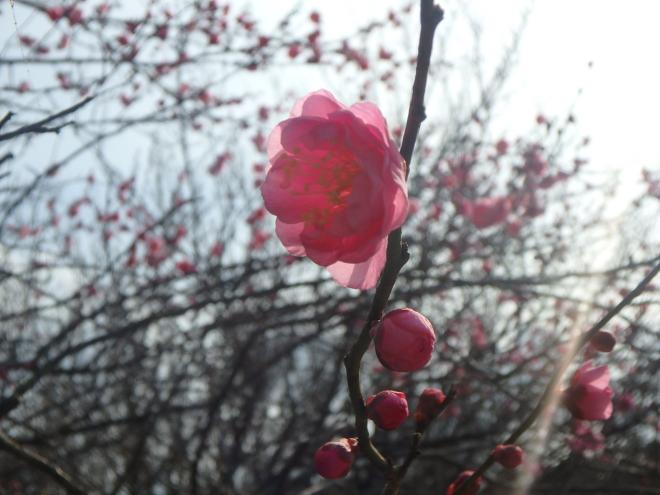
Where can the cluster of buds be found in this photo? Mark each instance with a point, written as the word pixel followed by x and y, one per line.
pixel 404 341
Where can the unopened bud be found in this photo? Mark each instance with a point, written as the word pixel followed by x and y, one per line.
pixel 510 456
pixel 603 341
pixel 404 340
pixel 460 480
pixel 333 460
pixel 429 406
pixel 388 409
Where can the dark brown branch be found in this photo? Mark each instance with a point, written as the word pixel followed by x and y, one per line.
pixel 551 388
pixel 419 433
pixel 40 463
pixel 397 253
pixel 430 16
pixel 42 125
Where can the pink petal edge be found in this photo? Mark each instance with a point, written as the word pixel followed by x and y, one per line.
pixel 370 114
pixel 363 275
pixel 317 104
pixel 289 235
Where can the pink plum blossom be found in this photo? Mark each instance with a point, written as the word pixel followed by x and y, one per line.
pixel 55 13
pixel 479 339
pixel 589 395
pixel 219 163
pixel 486 212
pixel 157 251
pixel 337 185
pixel 217 249
pixel 185 267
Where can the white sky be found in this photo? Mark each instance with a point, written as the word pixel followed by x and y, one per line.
pixel 620 103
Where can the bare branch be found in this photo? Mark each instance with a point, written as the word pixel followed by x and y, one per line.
pixel 41 464
pixel 42 125
pixel 397 254
pixel 551 388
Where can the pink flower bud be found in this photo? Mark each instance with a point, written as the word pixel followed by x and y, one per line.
pixel 462 478
pixel 75 16
pixel 55 13
pixel 217 249
pixel 404 340
pixel 294 50
pixel 429 405
pixel 333 460
pixel 510 456
pixel 589 395
pixel 185 267
pixel 603 342
pixel 388 409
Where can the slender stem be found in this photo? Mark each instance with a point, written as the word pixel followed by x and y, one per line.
pixel 41 464
pixel 414 451
pixel 397 252
pixel 550 389
pixel 430 16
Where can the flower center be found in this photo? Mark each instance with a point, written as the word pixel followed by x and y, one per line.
pixel 330 178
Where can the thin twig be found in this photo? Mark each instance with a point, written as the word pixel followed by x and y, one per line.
pixel 6 118
pixel 41 125
pixel 414 451
pixel 397 252
pixel 550 389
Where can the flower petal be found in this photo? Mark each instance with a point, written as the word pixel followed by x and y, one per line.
pixel 595 403
pixel 598 377
pixel 363 275
pixel 285 196
pixel 317 104
pixel 369 113
pixel 274 145
pixel 289 235
pixel 309 136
